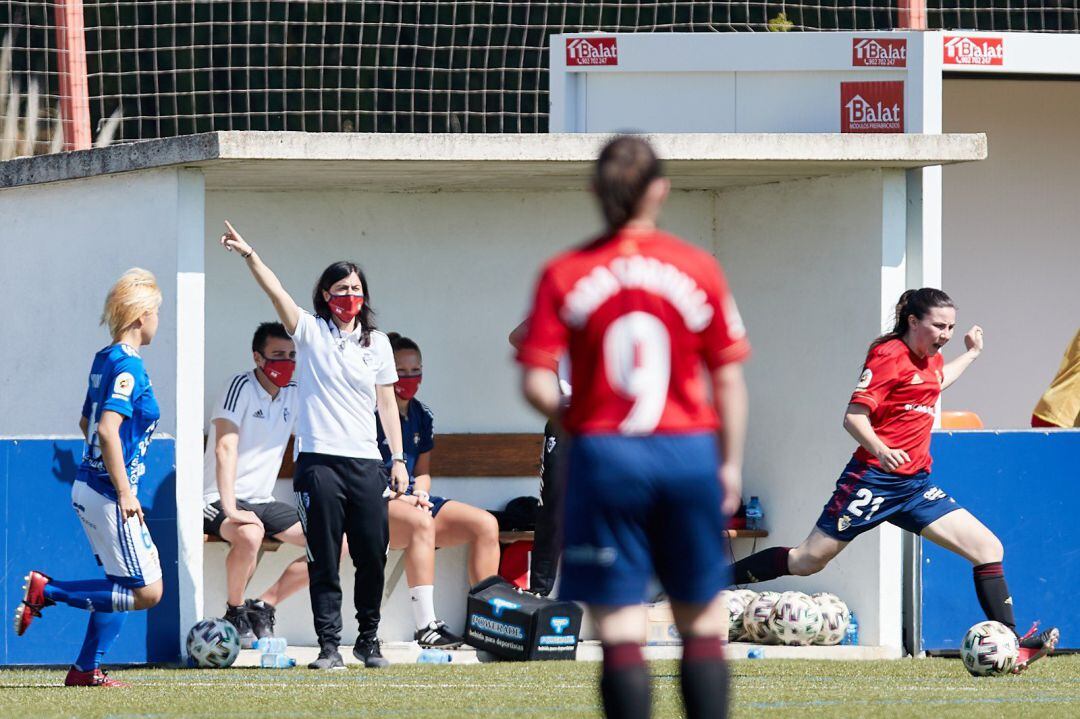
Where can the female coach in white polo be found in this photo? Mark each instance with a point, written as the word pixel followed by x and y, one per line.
pixel 344 371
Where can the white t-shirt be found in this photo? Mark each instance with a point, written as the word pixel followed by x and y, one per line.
pixel 337 379
pixel 264 425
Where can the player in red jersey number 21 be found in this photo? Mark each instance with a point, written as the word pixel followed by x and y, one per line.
pixel 890 415
pixel 640 312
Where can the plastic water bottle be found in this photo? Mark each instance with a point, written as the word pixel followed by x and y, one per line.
pixel 273 653
pixel 272 645
pixel 754 515
pixel 276 660
pixel 434 656
pixel 756 653
pixel 851 634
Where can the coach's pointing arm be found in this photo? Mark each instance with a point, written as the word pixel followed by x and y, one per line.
pixel 286 308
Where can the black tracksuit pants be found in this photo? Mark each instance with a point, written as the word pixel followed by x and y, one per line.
pixel 547 538
pixel 335 496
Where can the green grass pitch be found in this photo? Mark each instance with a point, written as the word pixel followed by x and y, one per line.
pixel 935 688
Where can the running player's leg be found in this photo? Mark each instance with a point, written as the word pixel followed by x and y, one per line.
pixel 960 532
pixel 459 523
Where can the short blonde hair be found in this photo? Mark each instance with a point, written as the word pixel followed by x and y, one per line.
pixel 133 295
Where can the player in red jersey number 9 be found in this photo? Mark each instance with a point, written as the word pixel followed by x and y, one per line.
pixel 640 312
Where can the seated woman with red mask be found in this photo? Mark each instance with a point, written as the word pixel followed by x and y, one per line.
pixel 449 523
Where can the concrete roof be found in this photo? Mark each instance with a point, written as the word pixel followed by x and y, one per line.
pixel 458 162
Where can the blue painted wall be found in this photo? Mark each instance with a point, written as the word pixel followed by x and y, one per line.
pixel 41 531
pixel 1025 486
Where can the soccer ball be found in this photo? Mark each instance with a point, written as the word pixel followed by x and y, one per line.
pixel 795 619
pixel 835 617
pixel 990 649
pixel 735 603
pixel 756 618
pixel 748 595
pixel 213 643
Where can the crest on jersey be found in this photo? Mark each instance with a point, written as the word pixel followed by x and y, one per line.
pixel 124 384
pixel 864 379
pixel 843 523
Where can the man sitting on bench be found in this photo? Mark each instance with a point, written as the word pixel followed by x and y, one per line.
pixel 250 426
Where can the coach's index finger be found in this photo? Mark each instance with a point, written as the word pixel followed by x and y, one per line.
pixel 232 230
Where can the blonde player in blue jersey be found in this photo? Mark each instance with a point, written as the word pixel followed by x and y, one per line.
pixel 118 417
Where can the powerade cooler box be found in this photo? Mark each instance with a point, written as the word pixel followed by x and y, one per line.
pixel 513 624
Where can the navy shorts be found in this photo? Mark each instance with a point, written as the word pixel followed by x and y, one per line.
pixel 866 496
pixel 638 507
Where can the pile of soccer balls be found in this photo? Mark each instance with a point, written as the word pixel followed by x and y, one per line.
pixel 790 618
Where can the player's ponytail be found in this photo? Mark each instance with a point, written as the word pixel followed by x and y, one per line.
pixel 913 303
pixel 133 295
pixel 624 170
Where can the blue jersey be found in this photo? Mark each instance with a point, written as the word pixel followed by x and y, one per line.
pixel 119 383
pixel 417 435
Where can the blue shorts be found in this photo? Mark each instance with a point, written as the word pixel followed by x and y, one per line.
pixel 437 504
pixel 866 496
pixel 638 507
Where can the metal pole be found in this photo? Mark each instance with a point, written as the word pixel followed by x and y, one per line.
pixel 74 90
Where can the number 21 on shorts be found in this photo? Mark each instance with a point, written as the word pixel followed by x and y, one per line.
pixel 863 498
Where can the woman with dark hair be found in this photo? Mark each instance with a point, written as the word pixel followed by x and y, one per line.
pixel 890 415
pixel 344 372
pixel 645 318
pixel 440 522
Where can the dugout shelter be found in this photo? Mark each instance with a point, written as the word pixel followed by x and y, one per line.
pixel 998 235
pixel 451 231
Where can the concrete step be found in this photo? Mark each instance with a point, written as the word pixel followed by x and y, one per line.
pixel 589 651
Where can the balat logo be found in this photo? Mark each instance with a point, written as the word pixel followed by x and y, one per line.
pixel 878 52
pixel 582 51
pixel 965 50
pixel 872 106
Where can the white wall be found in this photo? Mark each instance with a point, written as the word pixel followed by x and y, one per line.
pixel 803 259
pixel 1011 246
pixel 63 245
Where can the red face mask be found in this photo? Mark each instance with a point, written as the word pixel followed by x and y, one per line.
pixel 279 371
pixel 407 387
pixel 346 307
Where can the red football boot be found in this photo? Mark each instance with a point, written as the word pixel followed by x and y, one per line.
pixel 1035 645
pixel 33 601
pixel 95 678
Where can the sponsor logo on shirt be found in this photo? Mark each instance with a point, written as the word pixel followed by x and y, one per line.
pixel 95 381
pixel 843 523
pixel 592 51
pixel 872 106
pixel 964 50
pixel 285 414
pixel 878 52
pixel 259 414
pixel 917 379
pixel 864 379
pixel 925 409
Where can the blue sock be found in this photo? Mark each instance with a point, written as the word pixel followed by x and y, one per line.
pixel 96 595
pixel 102 631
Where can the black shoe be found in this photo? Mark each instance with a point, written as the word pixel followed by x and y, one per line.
pixel 261 616
pixel 238 617
pixel 367 651
pixel 329 658
pixel 437 636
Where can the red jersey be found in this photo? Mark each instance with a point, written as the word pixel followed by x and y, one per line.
pixel 639 313
pixel 901 390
